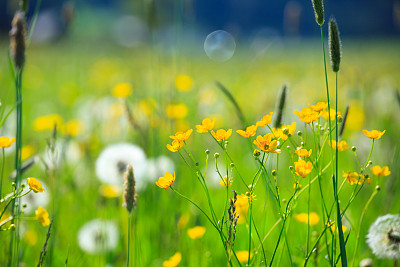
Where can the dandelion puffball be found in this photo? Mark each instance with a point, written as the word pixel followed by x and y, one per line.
pixel 98 236
pixel 113 161
pixel 384 237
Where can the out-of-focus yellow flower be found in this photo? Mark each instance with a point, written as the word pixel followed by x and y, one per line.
pixel 175 146
pixel 42 216
pixel 342 145
pixel 117 110
pixel 374 134
pixel 147 106
pixel 183 82
pixel 265 120
pixel 181 136
pixel 27 152
pixel 355 178
pixel 47 122
pixel 307 115
pixel 74 128
pixel 242 207
pixel 303 153
pixel 173 261
pixel 223 183
pixel 206 125
pixel 178 111
pixel 303 218
pixel 35 185
pixel 355 117
pixel 110 191
pixel 303 168
pixel 122 90
pixel 166 181
pixel 250 131
pixel 333 228
pixel 207 97
pixel 266 144
pixel 196 232
pixel 320 106
pixel 30 237
pixel 325 114
pixel 243 255
pixel 182 222
pixel 6 141
pixel 221 134
pixel 378 171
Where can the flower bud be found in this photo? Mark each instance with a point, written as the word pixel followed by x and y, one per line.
pixel 216 155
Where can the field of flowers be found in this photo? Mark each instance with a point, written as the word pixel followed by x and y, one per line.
pixel 147 157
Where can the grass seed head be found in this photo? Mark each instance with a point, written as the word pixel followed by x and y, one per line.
pixel 130 189
pixel 17 39
pixel 335 46
pixel 318 6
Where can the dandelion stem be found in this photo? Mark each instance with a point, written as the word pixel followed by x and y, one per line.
pixel 360 222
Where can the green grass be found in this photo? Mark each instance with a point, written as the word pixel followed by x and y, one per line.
pixel 62 77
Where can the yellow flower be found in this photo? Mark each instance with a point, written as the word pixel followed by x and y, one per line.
pixel 27 152
pixel 242 206
pixel 173 261
pixel 303 168
pixel 342 145
pixel 265 144
pixel 31 237
pixel 378 171
pixel 265 120
pixel 243 256
pixel 196 232
pixel 307 115
pixel 183 82
pixel 355 178
pixel 181 136
pixel 47 122
pixel 166 181
pixel 73 128
pixel 303 153
pixel 35 185
pixel 110 191
pixel 221 134
pixel 333 228
pixel 320 106
pixel 183 220
pixel 303 218
pixel 206 125
pixel 42 216
pixel 175 146
pixel 223 183
pixel 122 90
pixel 250 131
pixel 374 134
pixel 6 141
pixel 325 114
pixel 284 131
pixel 178 111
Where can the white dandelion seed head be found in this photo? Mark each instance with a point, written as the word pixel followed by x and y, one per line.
pixel 113 160
pixel 384 237
pixel 157 167
pixel 98 236
pixel 35 200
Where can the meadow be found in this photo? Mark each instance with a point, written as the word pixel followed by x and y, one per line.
pixel 83 96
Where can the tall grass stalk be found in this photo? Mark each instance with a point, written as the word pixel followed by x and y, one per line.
pixel 334 180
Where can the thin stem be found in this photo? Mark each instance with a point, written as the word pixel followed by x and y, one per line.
pixel 2 172
pixel 129 239
pixel 360 222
